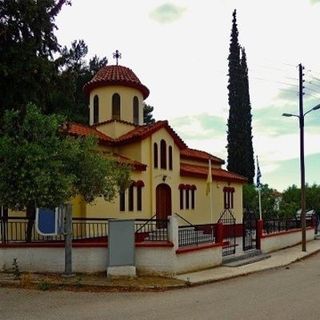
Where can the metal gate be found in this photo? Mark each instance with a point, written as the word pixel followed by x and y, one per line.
pixel 229 232
pixel 249 224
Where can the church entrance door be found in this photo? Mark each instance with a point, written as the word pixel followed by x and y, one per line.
pixel 163 201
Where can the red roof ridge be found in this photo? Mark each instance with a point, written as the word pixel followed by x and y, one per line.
pixel 195 154
pixel 137 165
pixel 144 131
pixel 217 173
pixel 114 120
pixel 79 129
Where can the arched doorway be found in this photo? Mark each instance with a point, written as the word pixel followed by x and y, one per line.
pixel 163 201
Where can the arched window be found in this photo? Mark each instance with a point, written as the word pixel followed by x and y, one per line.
pixel 139 184
pixel 122 200
pixel 155 155
pixel 95 109
pixel 228 197
pixel 131 197
pixel 170 158
pixel 116 107
pixel 163 154
pixel 135 110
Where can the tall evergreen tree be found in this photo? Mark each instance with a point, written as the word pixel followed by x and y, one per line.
pixel 247 119
pixel 147 114
pixel 240 150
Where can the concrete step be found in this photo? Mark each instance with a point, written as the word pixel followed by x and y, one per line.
pixel 244 259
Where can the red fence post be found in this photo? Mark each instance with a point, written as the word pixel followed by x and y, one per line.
pixel 259 234
pixel 219 233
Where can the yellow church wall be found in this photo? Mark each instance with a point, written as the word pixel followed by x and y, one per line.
pixel 126 103
pixel 115 129
pixel 132 151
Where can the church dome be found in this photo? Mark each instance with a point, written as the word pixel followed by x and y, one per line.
pixel 116 75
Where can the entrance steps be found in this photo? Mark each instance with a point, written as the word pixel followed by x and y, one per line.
pixel 248 257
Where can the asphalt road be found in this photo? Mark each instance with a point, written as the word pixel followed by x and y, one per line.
pixel 292 293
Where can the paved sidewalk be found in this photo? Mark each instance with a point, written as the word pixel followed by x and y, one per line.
pixel 279 258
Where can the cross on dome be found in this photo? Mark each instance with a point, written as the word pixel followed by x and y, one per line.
pixel 117 56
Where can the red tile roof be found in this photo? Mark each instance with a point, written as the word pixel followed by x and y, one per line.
pixel 116 75
pixel 136 165
pixel 77 129
pixel 193 154
pixel 145 131
pixel 188 170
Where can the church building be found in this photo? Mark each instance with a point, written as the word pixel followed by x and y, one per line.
pixel 167 176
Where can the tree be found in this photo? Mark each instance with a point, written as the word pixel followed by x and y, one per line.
pixel 147 114
pixel 41 167
pixel 240 150
pixel 74 72
pixel 27 46
pixel 291 200
pixel 268 200
pixel 247 120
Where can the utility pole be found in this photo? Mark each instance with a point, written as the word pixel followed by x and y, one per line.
pixel 302 167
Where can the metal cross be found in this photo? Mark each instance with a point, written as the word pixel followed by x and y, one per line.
pixel 117 56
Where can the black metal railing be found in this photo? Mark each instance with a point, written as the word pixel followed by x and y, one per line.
pixel 278 225
pixel 196 234
pixel 14 229
pixel 151 229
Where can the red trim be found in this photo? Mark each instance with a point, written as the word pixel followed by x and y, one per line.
pixel 197 248
pixel 228 189
pixel 181 186
pixel 54 245
pixel 154 244
pixel 281 233
pixel 199 155
pixel 139 183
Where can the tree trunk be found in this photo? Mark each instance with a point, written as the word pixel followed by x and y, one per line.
pixel 31 215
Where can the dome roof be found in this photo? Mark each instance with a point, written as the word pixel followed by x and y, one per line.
pixel 116 75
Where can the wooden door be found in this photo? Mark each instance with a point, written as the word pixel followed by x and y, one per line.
pixel 163 201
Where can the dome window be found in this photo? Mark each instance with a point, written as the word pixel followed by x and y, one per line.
pixel 135 110
pixel 95 109
pixel 116 107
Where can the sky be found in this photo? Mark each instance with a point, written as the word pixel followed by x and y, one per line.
pixel 179 50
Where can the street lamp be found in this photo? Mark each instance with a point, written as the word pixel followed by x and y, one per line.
pixel 302 169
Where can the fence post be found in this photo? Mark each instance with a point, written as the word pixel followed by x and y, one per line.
pixel 173 230
pixel 259 234
pixel 219 232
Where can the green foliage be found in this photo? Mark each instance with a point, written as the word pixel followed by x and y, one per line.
pixel 291 200
pixel 27 46
pixel 147 114
pixel 268 200
pixel 33 66
pixel 240 149
pixel 40 166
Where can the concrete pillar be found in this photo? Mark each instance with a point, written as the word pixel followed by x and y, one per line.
pixel 173 232
pixel 219 233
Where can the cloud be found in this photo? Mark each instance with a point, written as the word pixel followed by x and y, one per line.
pixel 200 126
pixel 167 13
pixel 314 1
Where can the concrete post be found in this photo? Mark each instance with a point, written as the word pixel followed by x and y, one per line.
pixel 173 231
pixel 219 233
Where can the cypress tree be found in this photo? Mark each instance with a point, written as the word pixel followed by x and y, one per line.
pixel 247 119
pixel 240 150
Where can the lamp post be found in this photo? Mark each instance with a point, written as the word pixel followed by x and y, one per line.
pixel 302 169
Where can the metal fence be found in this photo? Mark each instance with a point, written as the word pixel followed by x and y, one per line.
pixel 278 225
pixel 151 230
pixel 14 229
pixel 196 234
